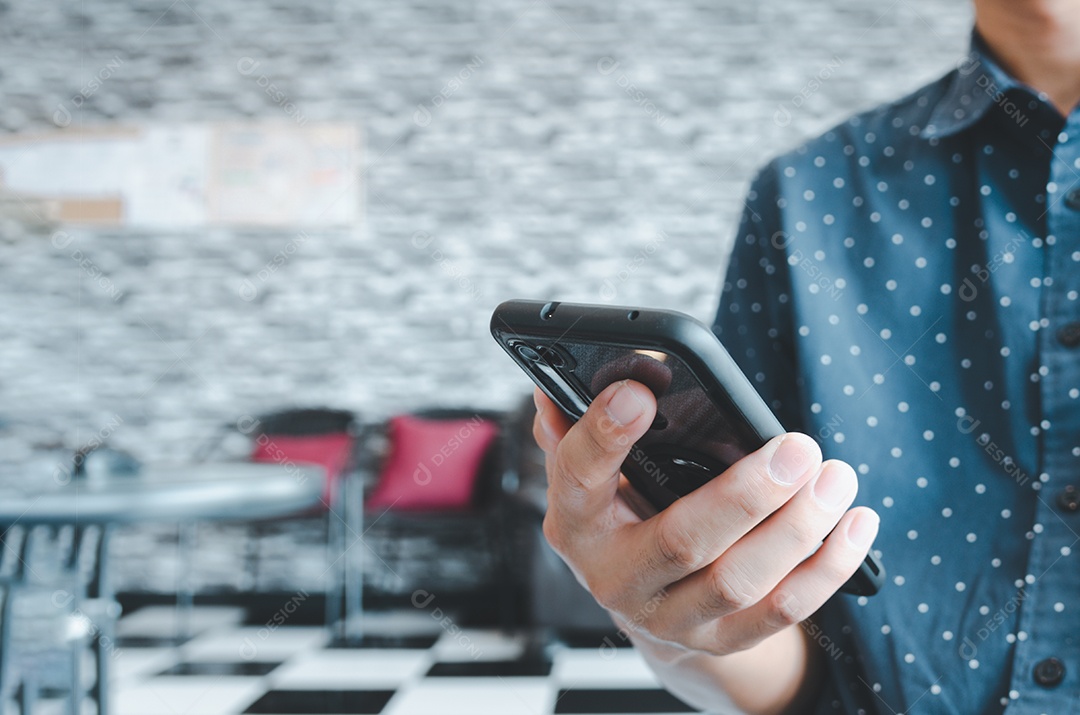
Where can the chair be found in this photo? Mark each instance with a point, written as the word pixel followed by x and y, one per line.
pixel 328 438
pixel 49 615
pixel 321 436
pixel 460 527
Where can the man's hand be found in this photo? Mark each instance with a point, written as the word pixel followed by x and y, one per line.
pixel 723 568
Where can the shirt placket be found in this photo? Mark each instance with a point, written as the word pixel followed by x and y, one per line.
pixel 1047 666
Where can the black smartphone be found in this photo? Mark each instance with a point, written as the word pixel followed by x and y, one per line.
pixel 708 414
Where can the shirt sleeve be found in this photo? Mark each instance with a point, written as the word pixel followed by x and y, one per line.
pixel 757 322
pixel 755 318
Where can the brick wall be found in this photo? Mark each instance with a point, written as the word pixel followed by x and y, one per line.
pixel 556 142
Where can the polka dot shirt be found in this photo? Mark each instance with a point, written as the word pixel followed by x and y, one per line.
pixel 905 289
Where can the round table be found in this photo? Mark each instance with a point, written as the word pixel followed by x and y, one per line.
pixel 181 493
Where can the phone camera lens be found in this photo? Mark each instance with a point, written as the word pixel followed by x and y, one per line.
pixel 527 352
pixel 552 357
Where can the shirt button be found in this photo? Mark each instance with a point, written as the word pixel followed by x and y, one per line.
pixel 1069 334
pixel 1049 673
pixel 1072 199
pixel 1069 499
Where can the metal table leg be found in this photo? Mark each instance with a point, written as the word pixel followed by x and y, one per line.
pixel 99 588
pixel 185 597
pixel 354 563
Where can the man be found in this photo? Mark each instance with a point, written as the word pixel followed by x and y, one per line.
pixel 904 288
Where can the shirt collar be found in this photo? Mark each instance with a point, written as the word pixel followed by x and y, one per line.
pixel 976 85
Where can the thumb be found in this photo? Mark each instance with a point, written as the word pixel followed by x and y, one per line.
pixel 587 463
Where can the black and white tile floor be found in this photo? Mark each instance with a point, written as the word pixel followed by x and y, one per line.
pixel 227 668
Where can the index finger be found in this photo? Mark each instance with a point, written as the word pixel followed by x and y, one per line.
pixel 550 424
pixel 705 523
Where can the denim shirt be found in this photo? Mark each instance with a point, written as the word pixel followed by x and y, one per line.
pixel 905 288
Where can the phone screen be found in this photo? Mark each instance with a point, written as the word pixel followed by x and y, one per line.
pixel 694 436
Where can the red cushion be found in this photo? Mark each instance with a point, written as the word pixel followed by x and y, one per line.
pixel 329 451
pixel 433 464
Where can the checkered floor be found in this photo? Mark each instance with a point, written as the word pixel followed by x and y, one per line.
pixel 417 666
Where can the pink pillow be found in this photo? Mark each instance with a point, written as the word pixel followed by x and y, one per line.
pixel 433 464
pixel 330 451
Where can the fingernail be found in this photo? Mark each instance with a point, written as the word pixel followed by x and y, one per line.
pixel 833 486
pixel 624 406
pixel 862 529
pixel 790 460
pixel 538 403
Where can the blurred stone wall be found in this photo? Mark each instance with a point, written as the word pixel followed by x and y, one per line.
pixel 592 150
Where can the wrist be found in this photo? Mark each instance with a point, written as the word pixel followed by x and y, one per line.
pixel 659 650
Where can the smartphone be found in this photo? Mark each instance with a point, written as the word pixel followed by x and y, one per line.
pixel 708 414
